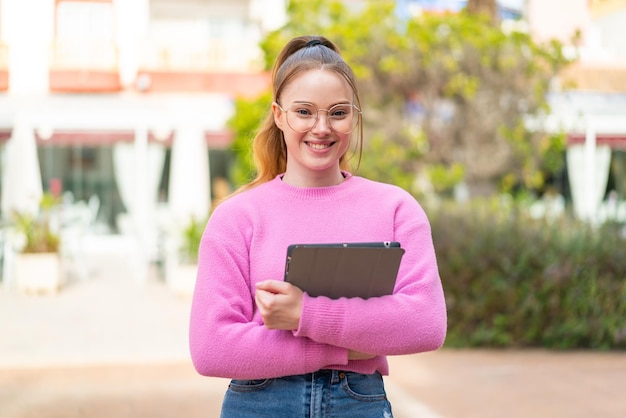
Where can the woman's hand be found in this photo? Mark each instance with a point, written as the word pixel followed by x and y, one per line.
pixel 280 304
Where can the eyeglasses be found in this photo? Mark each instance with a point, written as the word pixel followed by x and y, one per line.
pixel 302 117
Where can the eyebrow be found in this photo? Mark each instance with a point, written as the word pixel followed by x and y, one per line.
pixel 313 104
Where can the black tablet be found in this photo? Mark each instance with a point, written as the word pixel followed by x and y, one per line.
pixel 352 269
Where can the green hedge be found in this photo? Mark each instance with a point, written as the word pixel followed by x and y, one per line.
pixel 511 281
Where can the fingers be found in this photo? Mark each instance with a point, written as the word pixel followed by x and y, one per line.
pixel 264 300
pixel 274 286
pixel 279 304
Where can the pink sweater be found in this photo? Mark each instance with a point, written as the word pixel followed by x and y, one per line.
pixel 246 241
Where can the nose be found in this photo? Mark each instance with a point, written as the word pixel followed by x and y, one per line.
pixel 322 124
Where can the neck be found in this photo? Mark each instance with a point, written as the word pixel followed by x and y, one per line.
pixel 323 180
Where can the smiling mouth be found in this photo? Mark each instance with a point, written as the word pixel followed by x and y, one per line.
pixel 318 146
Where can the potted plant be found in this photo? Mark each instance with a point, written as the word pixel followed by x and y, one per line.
pixel 37 259
pixel 181 258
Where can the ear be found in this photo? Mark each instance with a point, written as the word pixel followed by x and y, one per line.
pixel 278 116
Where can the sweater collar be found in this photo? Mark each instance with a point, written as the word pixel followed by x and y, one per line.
pixel 313 193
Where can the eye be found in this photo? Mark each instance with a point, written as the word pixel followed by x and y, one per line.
pixel 340 112
pixel 304 111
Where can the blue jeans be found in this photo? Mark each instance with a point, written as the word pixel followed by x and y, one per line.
pixel 325 393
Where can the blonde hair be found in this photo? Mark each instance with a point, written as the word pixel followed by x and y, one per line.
pixel 301 54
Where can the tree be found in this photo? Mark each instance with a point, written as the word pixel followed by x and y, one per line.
pixel 249 114
pixel 446 96
pixel 486 7
pixel 478 86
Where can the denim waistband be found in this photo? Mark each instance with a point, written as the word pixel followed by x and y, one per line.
pixel 323 393
pixel 335 375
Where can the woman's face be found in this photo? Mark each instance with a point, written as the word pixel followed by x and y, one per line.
pixel 313 156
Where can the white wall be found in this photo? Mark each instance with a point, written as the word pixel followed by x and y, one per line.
pixel 612 31
pixel 27 27
pixel 558 19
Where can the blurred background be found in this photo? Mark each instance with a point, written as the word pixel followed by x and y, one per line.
pixel 118 110
pixel 123 121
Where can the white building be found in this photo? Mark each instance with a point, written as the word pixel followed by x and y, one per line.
pixel 591 102
pixel 124 103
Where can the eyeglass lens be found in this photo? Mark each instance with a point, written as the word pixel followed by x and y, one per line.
pixel 342 118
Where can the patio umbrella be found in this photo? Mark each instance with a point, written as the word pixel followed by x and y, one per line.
pixel 21 179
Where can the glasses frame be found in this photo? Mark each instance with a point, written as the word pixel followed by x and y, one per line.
pixel 358 113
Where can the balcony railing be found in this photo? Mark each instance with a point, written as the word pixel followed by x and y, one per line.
pixel 231 67
pixel 84 55
pixel 214 56
pixel 84 66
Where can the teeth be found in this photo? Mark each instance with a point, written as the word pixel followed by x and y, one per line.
pixel 318 146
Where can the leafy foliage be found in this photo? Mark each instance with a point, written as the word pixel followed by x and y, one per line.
pixel 36 229
pixel 465 81
pixel 191 237
pixel 514 281
pixel 249 114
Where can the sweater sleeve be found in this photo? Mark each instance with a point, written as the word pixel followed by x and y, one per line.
pixel 226 336
pixel 412 320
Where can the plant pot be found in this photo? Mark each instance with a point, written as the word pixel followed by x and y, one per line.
pixel 38 273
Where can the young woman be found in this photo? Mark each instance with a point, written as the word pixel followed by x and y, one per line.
pixel 289 354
